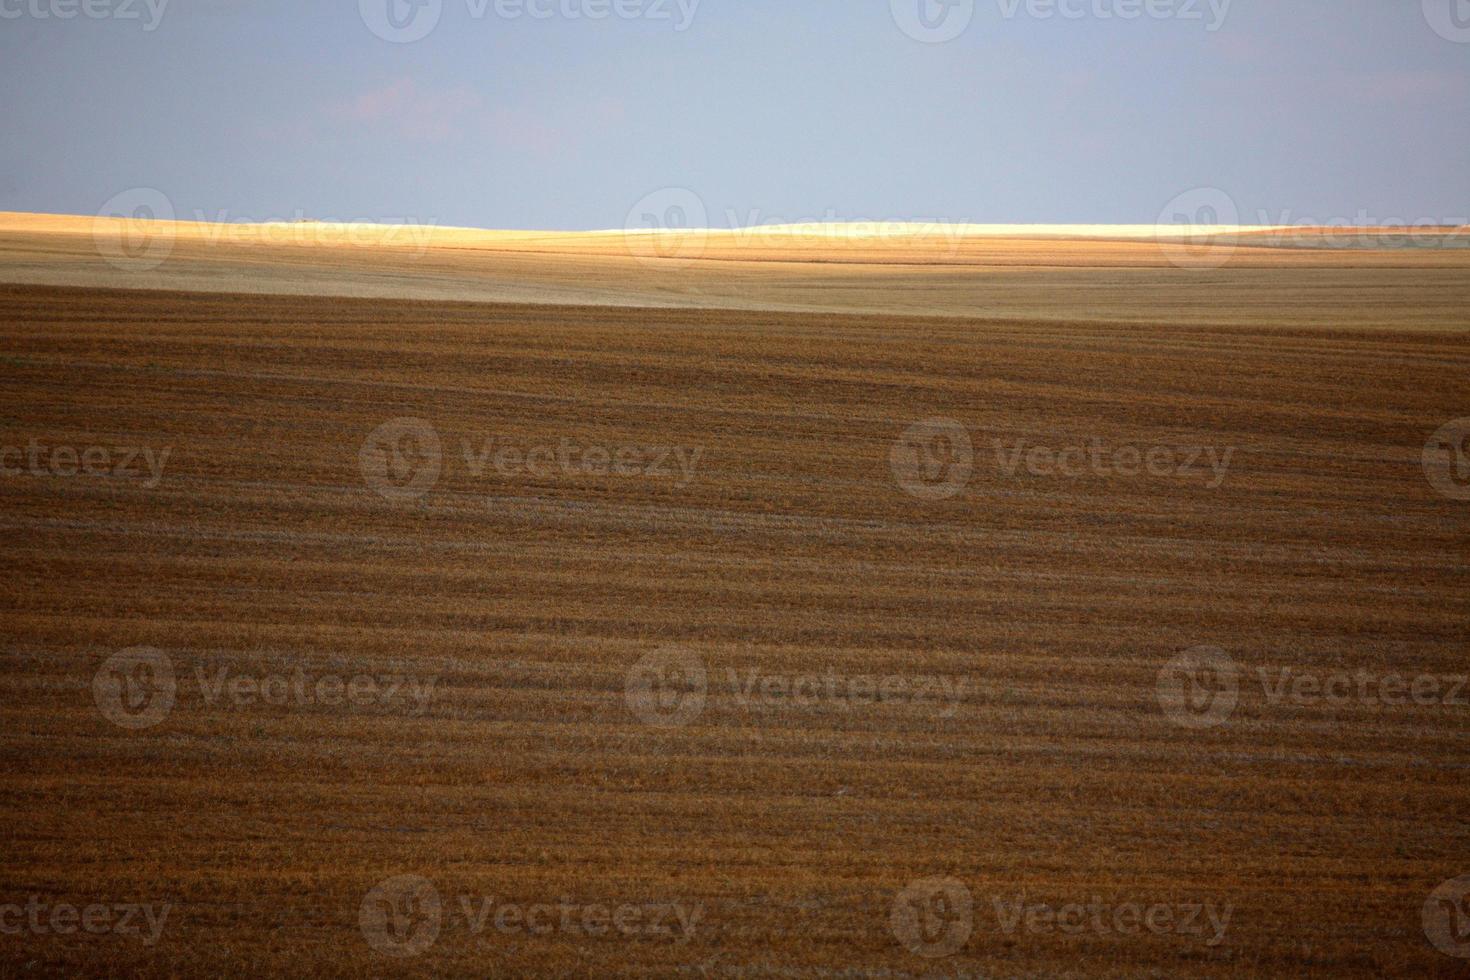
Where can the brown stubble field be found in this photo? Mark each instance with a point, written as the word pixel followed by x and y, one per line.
pixel 789 548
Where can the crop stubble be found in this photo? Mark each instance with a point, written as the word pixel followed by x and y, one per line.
pixel 792 550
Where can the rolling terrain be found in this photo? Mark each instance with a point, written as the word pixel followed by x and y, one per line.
pixel 512 479
pixel 1267 278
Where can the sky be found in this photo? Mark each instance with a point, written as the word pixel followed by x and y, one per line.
pixel 537 114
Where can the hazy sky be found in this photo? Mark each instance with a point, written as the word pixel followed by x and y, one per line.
pixel 765 109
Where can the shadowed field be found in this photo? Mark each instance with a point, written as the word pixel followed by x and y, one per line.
pixel 726 489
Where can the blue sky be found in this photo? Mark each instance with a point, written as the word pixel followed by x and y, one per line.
pixel 765 109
